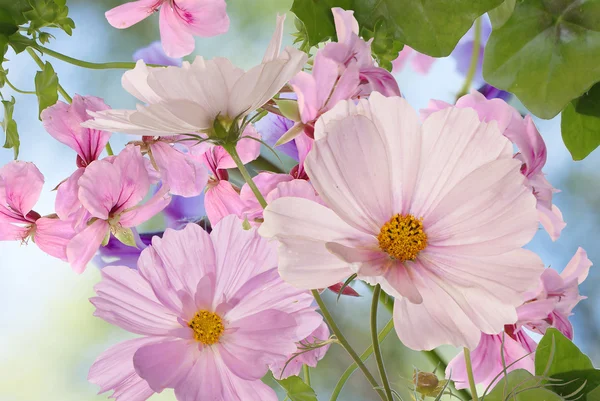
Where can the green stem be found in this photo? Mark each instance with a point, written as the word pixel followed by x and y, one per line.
pixel 306 372
pixel 363 357
pixel 344 343
pixel 474 59
pixel 433 356
pixel 62 90
pixel 470 374
pixel 240 165
pixel 17 89
pixel 375 340
pixel 86 64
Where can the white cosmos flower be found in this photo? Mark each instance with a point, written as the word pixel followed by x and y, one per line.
pixel 189 98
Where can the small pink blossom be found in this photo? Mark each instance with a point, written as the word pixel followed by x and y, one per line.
pixel 532 150
pixel 431 212
pixel 20 188
pixel 549 306
pixel 110 191
pixel 180 20
pixel 188 283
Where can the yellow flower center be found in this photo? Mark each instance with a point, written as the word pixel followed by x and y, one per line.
pixel 403 237
pixel 208 327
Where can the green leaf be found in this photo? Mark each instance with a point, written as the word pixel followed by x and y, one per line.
pixel 589 103
pixel 46 87
pixel 520 385
pixel 547 53
pixel 8 25
pixel 433 27
pixel 502 13
pixel 289 109
pixel 580 132
pixel 49 13
pixel 16 8
pixel 19 42
pixel 578 382
pixel 297 390
pixel 10 127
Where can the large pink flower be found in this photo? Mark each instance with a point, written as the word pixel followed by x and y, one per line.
pixel 532 150
pixel 214 314
pixel 180 20
pixel 550 306
pixel 20 188
pixel 110 191
pixel 437 214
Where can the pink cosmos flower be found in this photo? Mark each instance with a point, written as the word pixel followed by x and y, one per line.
pixel 180 20
pixel 188 99
pixel 550 306
pixel 532 150
pixel 308 358
pixel 213 313
pixel 20 188
pixel 110 191
pixel 437 214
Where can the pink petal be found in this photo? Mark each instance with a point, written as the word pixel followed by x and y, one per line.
pixel 302 228
pixel 53 235
pixel 67 195
pixel 176 39
pixel 203 381
pixel 135 182
pixel 63 122
pixel 309 358
pixel 578 267
pixel 274 46
pixel 376 79
pixel 166 264
pixel 113 370
pixel 126 299
pixel 11 232
pixel 248 150
pixel 232 244
pixel 167 364
pixel 100 188
pixel 235 388
pixel 257 341
pixel 131 13
pixel 222 200
pixel 551 220
pixel 183 175
pixel 487 362
pixel 142 213
pixel 453 144
pixel 206 18
pixel 352 152
pixel 305 88
pixel 21 184
pixel 345 24
pixel 83 246
pixel 296 189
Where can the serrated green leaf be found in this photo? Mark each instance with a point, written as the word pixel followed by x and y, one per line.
pixel 297 390
pixel 19 42
pixel 9 125
pixel 520 385
pixel 49 13
pixel 547 53
pixel 580 132
pixel 501 14
pixel 46 87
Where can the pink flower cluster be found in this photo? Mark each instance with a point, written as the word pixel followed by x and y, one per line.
pixel 436 209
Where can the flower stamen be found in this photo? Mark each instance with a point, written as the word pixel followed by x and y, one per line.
pixel 403 237
pixel 208 327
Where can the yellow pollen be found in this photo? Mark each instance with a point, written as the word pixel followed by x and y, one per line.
pixel 403 237
pixel 208 327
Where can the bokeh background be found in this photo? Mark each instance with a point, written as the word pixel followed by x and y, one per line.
pixel 48 336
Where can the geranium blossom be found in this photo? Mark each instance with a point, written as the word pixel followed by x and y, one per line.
pixel 214 314
pixel 532 150
pixel 111 190
pixel 549 306
pixel 190 98
pixel 436 214
pixel 180 20
pixel 20 188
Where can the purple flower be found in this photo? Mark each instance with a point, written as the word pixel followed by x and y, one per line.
pixel 154 54
pixel 117 253
pixel 272 127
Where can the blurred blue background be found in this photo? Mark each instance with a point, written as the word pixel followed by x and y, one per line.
pixel 49 337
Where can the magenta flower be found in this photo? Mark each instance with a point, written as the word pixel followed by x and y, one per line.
pixel 20 188
pixel 180 20
pixel 214 314
pixel 110 191
pixel 550 306
pixel 532 150
pixel 437 214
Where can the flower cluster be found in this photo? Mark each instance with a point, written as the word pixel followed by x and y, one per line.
pixel 434 209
